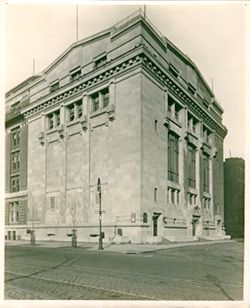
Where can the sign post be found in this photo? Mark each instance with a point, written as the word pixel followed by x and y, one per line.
pixel 99 192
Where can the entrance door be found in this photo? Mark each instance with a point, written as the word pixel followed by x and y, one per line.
pixel 194 221
pixel 155 226
pixel 14 235
pixel 9 235
pixel 155 223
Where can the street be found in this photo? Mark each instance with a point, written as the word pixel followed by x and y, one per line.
pixel 204 272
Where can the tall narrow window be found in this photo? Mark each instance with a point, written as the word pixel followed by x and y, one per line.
pixel 173 158
pixel 155 195
pixel 95 100
pixel 13 213
pixel 191 166
pixel 205 173
pixel 105 94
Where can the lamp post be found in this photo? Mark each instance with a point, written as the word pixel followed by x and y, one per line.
pixel 100 213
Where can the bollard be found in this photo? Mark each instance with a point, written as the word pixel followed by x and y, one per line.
pixel 32 237
pixel 74 238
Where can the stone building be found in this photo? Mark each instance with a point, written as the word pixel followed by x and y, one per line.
pixel 126 106
pixel 234 196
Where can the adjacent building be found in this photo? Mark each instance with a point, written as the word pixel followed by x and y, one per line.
pixel 234 196
pixel 126 106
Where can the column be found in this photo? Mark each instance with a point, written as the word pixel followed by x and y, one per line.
pixel 62 114
pixel 112 98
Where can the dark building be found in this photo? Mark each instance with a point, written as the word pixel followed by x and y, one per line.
pixel 234 179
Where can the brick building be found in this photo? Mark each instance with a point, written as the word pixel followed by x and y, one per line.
pixel 126 106
pixel 234 196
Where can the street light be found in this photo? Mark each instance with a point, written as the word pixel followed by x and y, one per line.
pixel 99 192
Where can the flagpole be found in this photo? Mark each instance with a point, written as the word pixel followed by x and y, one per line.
pixel 77 22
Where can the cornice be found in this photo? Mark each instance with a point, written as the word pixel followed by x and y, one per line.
pixel 140 57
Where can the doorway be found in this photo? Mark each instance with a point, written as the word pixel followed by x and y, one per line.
pixel 155 223
pixel 194 225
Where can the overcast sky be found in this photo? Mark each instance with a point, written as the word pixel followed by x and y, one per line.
pixel 212 36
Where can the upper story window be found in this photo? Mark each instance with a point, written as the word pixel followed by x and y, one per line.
pixel 74 111
pixel 191 166
pixel 15 137
pixel 75 73
pixel 206 134
pixel 191 88
pixel 54 86
pixel 53 119
pixel 192 124
pixel 14 185
pixel 100 61
pixel 15 161
pixel 205 171
pixel 13 212
pixel 173 70
pixel 174 109
pixel 100 99
pixel 105 95
pixel 16 107
pixel 95 101
pixel 173 157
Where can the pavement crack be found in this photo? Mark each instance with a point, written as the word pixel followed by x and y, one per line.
pixel 214 279
pixel 43 270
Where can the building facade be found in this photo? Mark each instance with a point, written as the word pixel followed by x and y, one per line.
pixel 128 107
pixel 234 196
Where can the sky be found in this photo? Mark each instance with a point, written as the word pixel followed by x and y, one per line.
pixel 212 35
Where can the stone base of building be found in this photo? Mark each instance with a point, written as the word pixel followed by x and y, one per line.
pixel 113 234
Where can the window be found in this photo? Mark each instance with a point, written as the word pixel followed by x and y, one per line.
pixel 173 70
pixel 205 173
pixel 174 109
pixel 15 107
pixel 191 88
pixel 75 74
pixel 173 158
pixel 192 124
pixel 206 135
pixel 156 125
pixel 71 111
pixel 100 99
pixel 173 196
pixel 15 161
pixel 155 195
pixel 95 100
pixel 105 94
pixel 191 166
pixel 15 183
pixel 54 86
pixel 74 111
pixel 13 212
pixel 101 61
pixel 79 109
pixel 52 203
pixel 15 137
pixel 145 217
pixel 53 119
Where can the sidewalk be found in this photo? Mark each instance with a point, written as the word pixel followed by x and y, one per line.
pixel 119 248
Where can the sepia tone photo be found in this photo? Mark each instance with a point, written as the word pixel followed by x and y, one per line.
pixel 124 152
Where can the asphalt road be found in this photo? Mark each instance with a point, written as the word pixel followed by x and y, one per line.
pixel 205 272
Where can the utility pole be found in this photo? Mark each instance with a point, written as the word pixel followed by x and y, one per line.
pixel 100 213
